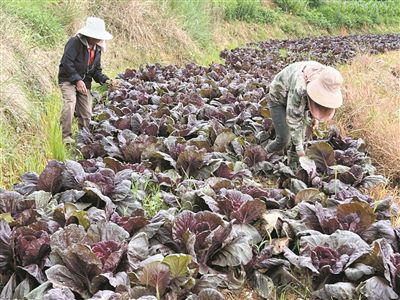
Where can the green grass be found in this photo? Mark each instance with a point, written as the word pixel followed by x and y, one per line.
pixel 55 148
pixel 251 11
pixel 350 14
pixel 45 28
pixel 152 201
pixel 28 147
pixel 195 18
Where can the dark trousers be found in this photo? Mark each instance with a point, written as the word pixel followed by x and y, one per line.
pixel 282 134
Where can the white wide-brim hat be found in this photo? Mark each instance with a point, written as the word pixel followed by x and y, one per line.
pixel 95 28
pixel 325 88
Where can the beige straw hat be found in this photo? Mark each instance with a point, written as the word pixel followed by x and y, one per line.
pixel 324 89
pixel 95 28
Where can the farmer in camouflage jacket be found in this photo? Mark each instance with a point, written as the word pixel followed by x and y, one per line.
pixel 301 95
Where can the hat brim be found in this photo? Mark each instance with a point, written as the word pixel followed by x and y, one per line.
pixel 99 35
pixel 319 112
pixel 322 96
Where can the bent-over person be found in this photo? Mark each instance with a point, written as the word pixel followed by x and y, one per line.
pixel 301 95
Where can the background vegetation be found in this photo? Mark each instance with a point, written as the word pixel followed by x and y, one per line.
pixel 146 31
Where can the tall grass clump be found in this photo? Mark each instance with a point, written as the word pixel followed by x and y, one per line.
pixel 251 11
pixel 50 121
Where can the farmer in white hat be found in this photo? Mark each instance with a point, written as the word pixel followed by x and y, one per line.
pixel 79 64
pixel 301 95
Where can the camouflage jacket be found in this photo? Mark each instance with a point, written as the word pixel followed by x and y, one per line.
pixel 289 89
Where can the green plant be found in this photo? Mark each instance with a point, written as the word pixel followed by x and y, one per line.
pixel 45 27
pixel 246 10
pixel 195 18
pixel 296 7
pixel 55 148
pixel 152 201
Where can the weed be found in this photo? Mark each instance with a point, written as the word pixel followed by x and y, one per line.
pixel 50 120
pixel 153 203
pixel 149 194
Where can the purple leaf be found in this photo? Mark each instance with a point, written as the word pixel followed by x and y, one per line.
pixel 156 275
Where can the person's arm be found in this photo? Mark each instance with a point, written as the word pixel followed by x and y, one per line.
pixel 98 75
pixel 295 109
pixel 68 60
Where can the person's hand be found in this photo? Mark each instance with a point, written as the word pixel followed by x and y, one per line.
pixel 81 87
pixel 112 82
pixel 315 124
pixel 301 153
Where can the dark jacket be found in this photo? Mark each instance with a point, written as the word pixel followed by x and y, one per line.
pixel 74 63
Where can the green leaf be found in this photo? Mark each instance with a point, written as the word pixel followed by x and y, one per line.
pixel 39 292
pixel 248 231
pixel 6 217
pixel 82 217
pixel 376 288
pixel 41 199
pixel 178 264
pixel 340 290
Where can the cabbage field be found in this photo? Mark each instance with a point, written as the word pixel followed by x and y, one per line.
pixel 176 197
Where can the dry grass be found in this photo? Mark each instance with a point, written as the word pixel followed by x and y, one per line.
pixel 381 192
pixel 144 33
pixel 25 70
pixel 372 108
